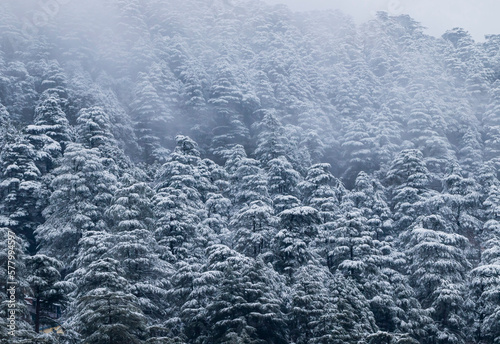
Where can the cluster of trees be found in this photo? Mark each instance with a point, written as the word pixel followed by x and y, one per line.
pixel 232 172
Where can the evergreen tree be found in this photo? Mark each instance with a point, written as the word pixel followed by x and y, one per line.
pixel 82 190
pixel 177 204
pixel 322 190
pixel 246 309
pixel 253 228
pixel 106 311
pixel 271 142
pixel 408 178
pixel 249 181
pixel 492 125
pixel 298 228
pixel 352 248
pixel 191 289
pixel 53 79
pixel 19 93
pixel 464 202
pixel 226 99
pixel 132 243
pixel 354 317
pixel 152 116
pixel 322 311
pixel 438 266
pixel 484 285
pixel 94 130
pixel 47 287
pixel 5 125
pixel 15 326
pixel 22 189
pixel 358 147
pixel 50 134
pixel 282 178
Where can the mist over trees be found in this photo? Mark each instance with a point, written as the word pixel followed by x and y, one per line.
pixel 232 172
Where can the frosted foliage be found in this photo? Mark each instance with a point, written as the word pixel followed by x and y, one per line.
pixel 229 171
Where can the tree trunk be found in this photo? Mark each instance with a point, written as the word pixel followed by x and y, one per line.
pixel 37 315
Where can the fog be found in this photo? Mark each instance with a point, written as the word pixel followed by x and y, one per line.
pixel 478 17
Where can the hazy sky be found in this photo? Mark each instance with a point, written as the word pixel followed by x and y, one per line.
pixel 479 17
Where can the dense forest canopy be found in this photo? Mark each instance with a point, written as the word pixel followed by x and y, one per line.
pixel 233 172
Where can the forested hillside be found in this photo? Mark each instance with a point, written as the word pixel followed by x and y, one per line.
pixel 202 172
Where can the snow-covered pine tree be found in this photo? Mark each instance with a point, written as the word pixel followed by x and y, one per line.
pixel 293 245
pixel 247 305
pixel 105 309
pixel 21 187
pixel 47 287
pixel 272 142
pixel 322 311
pixel 151 116
pixel 253 227
pixel 438 265
pixel 50 133
pixel 408 179
pixel 484 282
pixel 94 132
pixel 226 99
pixel 359 150
pixel 249 181
pixel 177 204
pixel 82 190
pixel 15 327
pixel 282 178
pixel 322 190
pixel 491 125
pixel 132 243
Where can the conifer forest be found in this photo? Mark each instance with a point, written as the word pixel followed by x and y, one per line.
pixel 233 172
